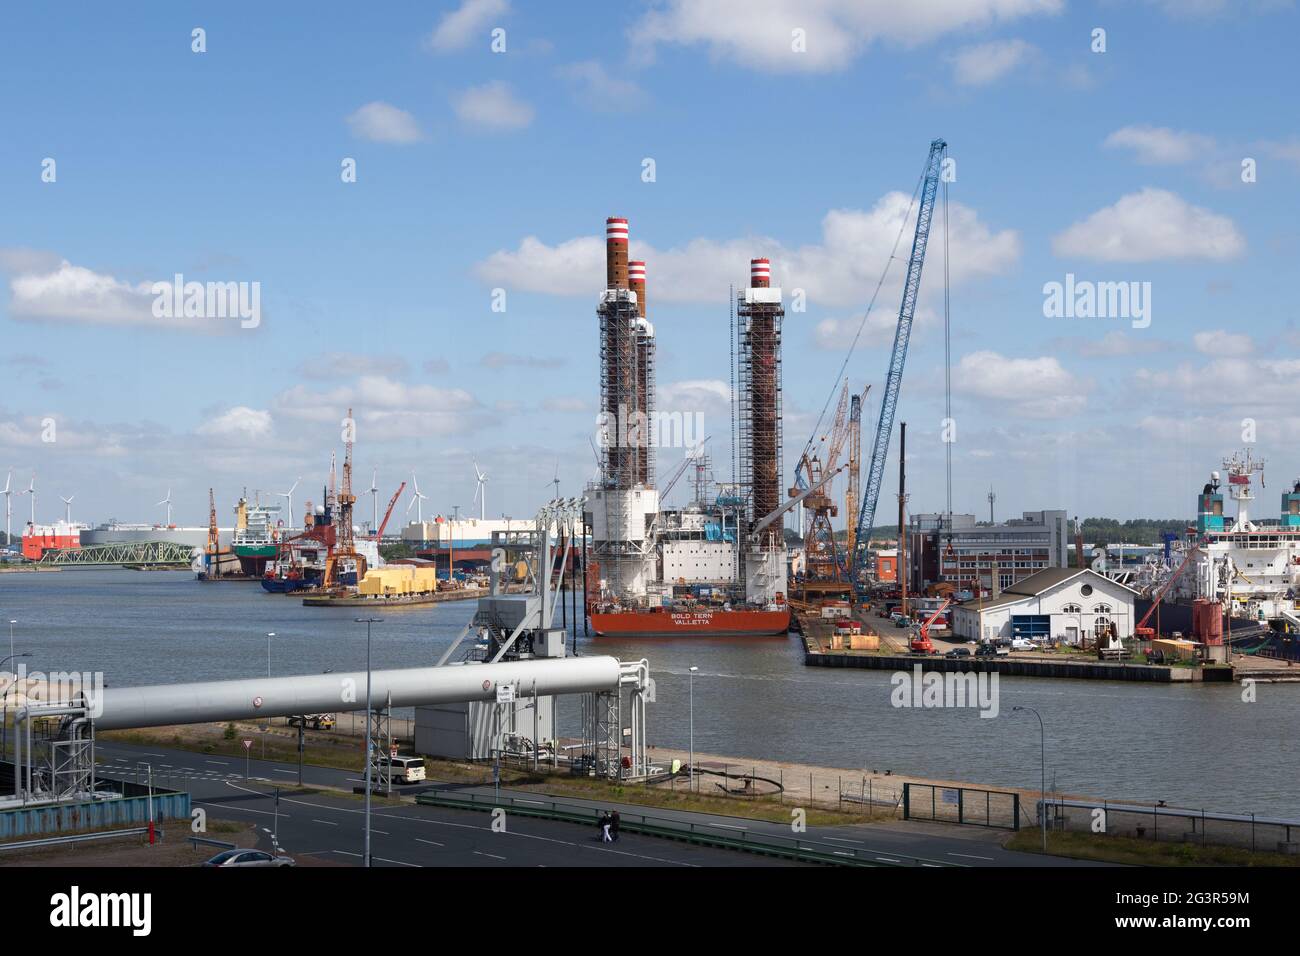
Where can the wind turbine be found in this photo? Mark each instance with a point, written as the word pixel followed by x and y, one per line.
pixel 479 492
pixel 67 508
pixel 9 509
pixel 31 490
pixel 556 480
pixel 168 502
pixel 374 500
pixel 417 499
pixel 288 498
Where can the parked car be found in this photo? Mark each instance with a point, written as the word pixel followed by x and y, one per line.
pixel 247 857
pixel 991 650
pixel 959 652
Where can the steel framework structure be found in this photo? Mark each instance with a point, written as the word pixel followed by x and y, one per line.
pixel 897 358
pixel 139 552
pixel 758 407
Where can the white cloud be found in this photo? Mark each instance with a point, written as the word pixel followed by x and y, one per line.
pixel 492 106
pixel 336 365
pixel 385 409
pixel 381 122
pixel 840 270
pixel 456 29
pixel 987 63
pixel 1241 386
pixel 241 422
pixel 567 403
pixel 1151 225
pixel 70 293
pixel 1027 387
pixel 836 335
pixel 836 31
pixel 1114 344
pixel 1160 145
pixel 1223 343
pixel 599 90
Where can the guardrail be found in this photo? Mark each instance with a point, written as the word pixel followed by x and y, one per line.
pixel 705 834
pixel 81 837
pixel 221 844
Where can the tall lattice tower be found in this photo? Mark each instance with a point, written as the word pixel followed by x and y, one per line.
pixel 759 316
pixel 622 506
pixel 758 378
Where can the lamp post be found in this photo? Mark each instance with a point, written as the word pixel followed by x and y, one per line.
pixel 1042 794
pixel 4 720
pixel 367 621
pixel 268 674
pixel 691 778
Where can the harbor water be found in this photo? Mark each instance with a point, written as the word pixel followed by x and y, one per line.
pixel 1197 745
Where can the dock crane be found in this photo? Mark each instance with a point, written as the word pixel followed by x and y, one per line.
pixel 894 379
pixel 379 535
pixel 1144 633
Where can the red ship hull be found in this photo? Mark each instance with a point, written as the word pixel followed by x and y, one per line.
pixel 696 622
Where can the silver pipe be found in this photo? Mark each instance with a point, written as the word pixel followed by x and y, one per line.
pixel 214 701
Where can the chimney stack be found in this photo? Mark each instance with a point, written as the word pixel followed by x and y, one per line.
pixel 760 273
pixel 636 281
pixel 615 253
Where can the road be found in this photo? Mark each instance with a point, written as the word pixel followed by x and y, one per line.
pixel 330 827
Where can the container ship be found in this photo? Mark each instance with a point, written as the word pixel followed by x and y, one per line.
pixel 718 567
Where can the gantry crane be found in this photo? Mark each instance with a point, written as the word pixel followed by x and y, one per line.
pixel 820 556
pixel 344 550
pixel 894 378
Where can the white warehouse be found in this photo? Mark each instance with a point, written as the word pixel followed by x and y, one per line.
pixel 1070 605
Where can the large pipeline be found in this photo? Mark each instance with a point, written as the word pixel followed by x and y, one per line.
pixel 213 701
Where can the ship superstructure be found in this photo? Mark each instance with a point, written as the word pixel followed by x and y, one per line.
pixel 1250 567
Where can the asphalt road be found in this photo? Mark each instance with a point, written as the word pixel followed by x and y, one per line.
pixel 330 827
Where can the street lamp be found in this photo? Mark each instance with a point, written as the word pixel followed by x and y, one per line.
pixel 693 669
pixel 367 621
pixel 1042 794
pixel 265 726
pixel 4 720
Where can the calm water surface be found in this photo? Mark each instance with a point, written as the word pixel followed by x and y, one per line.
pixel 1188 745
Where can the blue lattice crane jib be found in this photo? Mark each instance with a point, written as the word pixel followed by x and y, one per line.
pixel 898 356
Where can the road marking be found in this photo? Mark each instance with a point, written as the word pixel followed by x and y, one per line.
pixel 384 859
pixel 154 755
pixel 493 855
pixel 841 840
pixel 430 842
pixel 461 826
pixel 219 763
pixel 222 806
pixel 328 823
pixel 380 832
pixel 278 770
pixel 885 859
pixel 971 856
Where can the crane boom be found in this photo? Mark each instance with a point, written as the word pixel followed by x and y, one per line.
pixel 388 513
pixel 894 378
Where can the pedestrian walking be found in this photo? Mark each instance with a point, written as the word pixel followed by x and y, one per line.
pixel 613 825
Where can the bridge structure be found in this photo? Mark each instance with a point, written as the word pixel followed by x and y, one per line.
pixel 148 553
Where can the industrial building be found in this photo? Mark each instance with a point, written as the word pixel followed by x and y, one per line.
pixel 1069 605
pixel 994 556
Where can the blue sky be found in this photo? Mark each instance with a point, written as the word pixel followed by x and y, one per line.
pixel 479 170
